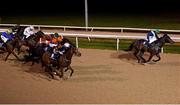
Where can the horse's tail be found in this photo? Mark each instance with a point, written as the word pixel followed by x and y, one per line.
pixel 130 47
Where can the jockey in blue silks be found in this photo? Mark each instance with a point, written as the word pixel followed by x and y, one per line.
pixel 152 36
pixel 5 36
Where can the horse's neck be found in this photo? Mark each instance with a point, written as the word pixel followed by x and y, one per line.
pixel 19 32
pixel 69 54
pixel 160 42
pixel 35 38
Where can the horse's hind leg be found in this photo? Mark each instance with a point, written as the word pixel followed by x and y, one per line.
pixel 7 56
pixel 150 57
pixel 159 58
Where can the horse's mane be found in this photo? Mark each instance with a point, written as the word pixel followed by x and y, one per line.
pixel 67 40
pixel 39 33
pixel 19 31
pixel 159 39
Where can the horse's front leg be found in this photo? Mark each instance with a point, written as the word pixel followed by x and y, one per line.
pixel 15 55
pixel 69 67
pixel 19 50
pixel 150 57
pixel 60 72
pixel 136 55
pixel 159 58
pixel 141 56
pixel 7 56
pixel 49 70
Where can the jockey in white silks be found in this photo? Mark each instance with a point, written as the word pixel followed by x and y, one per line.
pixel 152 36
pixel 28 31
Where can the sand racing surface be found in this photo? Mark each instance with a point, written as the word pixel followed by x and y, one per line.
pixel 100 77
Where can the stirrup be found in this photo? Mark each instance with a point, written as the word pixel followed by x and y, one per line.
pixel 53 58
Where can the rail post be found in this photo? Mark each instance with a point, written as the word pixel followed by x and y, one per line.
pixel 117 44
pixel 162 50
pixel 77 42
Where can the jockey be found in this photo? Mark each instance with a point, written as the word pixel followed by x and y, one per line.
pixel 55 40
pixel 60 50
pixel 152 36
pixel 28 32
pixel 55 43
pixel 5 36
pixel 64 48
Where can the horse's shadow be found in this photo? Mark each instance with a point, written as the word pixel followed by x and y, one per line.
pixel 127 56
pixel 123 55
pixel 37 71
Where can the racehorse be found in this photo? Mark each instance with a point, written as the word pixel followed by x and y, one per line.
pixel 10 44
pixel 139 47
pixel 39 49
pixel 36 53
pixel 63 61
pixel 31 41
pixel 9 47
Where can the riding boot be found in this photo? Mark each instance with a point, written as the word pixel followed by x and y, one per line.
pixel 52 56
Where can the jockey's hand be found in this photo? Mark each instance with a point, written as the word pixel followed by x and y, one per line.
pixel 60 46
pixel 55 47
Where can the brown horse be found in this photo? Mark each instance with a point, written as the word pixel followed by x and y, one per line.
pixel 63 62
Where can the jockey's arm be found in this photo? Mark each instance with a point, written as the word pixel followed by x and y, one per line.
pixel 148 36
pixel 26 32
pixel 156 36
pixel 31 32
pixel 52 45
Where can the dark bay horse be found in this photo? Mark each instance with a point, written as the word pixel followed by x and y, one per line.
pixel 139 48
pixel 62 63
pixel 11 43
pixel 9 48
pixel 31 41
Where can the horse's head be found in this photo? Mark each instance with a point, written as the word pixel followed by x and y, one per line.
pixel 168 39
pixel 39 34
pixel 15 28
pixel 18 31
pixel 75 51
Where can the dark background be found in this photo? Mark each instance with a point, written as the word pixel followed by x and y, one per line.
pixel 76 7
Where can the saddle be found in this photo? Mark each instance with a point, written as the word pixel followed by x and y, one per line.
pixel 146 44
pixel 151 46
